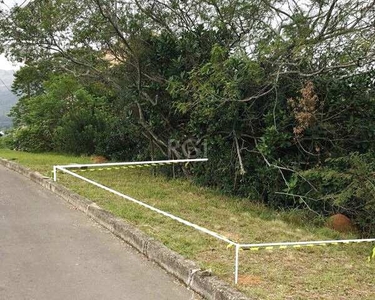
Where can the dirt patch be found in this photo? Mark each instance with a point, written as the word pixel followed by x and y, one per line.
pixel 231 235
pixel 249 280
pixel 97 159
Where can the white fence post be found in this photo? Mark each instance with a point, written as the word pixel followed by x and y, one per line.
pixel 236 264
pixel 54 173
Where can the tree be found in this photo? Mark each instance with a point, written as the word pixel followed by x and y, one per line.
pixel 277 88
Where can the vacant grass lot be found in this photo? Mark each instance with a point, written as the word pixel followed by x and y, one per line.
pixel 334 272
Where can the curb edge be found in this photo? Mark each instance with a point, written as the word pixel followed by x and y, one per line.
pixel 187 271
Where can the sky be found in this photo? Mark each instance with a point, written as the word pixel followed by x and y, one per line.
pixel 4 63
pixel 7 65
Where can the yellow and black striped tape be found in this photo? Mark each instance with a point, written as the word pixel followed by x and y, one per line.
pixel 118 168
pixel 296 246
pixel 372 255
pixel 288 246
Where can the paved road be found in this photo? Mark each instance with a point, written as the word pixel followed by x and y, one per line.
pixel 50 251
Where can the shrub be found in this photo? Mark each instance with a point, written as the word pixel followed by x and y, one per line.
pixel 343 185
pixel 30 139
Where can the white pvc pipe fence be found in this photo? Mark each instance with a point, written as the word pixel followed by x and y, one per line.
pixel 132 163
pixel 284 245
pixel 238 246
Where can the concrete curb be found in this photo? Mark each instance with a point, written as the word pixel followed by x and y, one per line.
pixel 210 287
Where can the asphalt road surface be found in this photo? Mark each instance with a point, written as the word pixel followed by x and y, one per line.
pixel 50 251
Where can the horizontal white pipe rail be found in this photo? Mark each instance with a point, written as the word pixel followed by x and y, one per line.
pixel 283 245
pixel 238 246
pixel 169 215
pixel 307 243
pixel 152 162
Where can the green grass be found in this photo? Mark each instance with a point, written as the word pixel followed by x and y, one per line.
pixel 43 162
pixel 335 272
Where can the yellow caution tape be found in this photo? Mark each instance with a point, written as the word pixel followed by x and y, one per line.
pixel 118 168
pixel 85 169
pixel 372 255
pixel 296 246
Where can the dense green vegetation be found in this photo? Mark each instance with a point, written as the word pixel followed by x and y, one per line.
pixel 281 93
